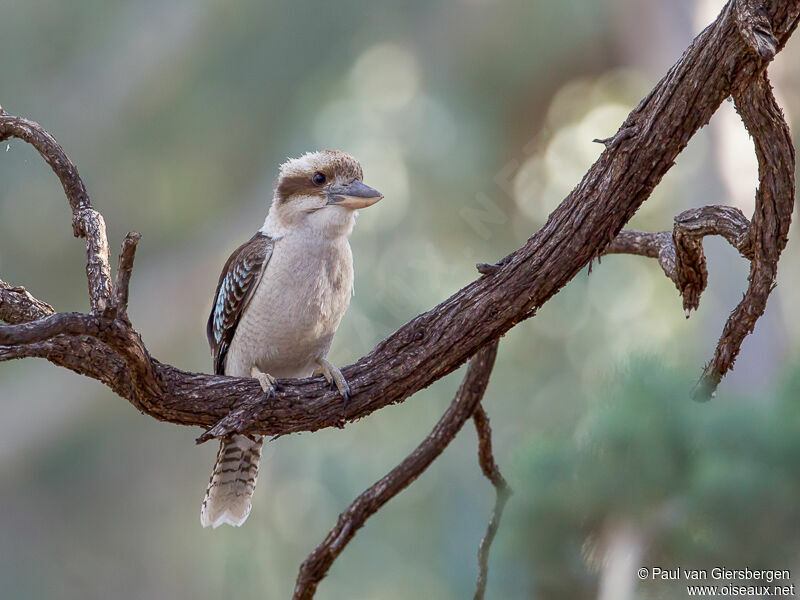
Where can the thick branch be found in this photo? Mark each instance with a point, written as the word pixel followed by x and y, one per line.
pixel 755 28
pixel 113 333
pixel 502 490
pixel 468 397
pixel 82 354
pixel 720 62
pixel 726 59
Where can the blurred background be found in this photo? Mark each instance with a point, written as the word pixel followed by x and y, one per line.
pixel 474 118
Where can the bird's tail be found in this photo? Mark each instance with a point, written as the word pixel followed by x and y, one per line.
pixel 233 482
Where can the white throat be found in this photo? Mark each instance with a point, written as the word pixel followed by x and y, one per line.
pixel 272 225
pixel 331 222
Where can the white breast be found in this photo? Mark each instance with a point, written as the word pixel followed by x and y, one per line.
pixel 296 308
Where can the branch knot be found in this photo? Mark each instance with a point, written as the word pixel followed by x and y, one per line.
pixel 755 27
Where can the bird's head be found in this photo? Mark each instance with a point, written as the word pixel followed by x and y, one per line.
pixel 322 190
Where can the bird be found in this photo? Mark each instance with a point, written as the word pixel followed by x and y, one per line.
pixel 279 300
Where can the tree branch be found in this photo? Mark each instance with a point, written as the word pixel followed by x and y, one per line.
pixel 769 229
pixel 502 490
pixel 755 28
pixel 86 222
pixel 761 241
pixel 124 271
pixel 680 252
pixel 82 354
pixel 18 306
pixel 468 397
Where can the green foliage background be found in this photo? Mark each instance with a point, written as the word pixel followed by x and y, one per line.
pixel 474 118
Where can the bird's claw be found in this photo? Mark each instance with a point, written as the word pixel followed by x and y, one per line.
pixel 335 378
pixel 268 383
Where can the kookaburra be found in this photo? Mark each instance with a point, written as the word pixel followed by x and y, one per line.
pixel 279 300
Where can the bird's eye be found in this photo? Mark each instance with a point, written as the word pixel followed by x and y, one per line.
pixel 318 178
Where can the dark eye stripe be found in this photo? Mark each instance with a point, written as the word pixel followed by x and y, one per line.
pixel 295 185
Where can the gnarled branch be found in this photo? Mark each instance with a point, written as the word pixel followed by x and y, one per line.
pixel 680 253
pixel 18 306
pixel 769 229
pixel 82 354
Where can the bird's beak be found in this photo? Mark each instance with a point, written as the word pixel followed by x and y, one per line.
pixel 354 195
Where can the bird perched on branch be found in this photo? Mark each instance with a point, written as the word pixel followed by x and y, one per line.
pixel 279 300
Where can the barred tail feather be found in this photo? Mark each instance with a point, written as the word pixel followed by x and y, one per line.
pixel 232 483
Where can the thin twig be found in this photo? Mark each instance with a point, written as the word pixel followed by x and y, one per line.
pixel 502 491
pixel 469 394
pixel 124 270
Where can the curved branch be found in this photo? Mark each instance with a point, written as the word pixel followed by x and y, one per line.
pixel 761 241
pixel 725 59
pixel 680 252
pixel 86 222
pixel 83 355
pixel 112 332
pixel 769 229
pixel 468 397
pixel 719 62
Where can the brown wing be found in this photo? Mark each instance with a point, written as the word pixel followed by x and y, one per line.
pixel 238 281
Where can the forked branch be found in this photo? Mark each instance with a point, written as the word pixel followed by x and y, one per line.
pixel 468 397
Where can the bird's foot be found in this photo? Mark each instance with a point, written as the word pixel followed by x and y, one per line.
pixel 333 376
pixel 268 383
